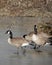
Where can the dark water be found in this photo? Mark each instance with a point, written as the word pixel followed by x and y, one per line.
pixel 8 54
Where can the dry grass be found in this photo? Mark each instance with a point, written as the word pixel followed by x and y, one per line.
pixel 24 7
pixel 45 27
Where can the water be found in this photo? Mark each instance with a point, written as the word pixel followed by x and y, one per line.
pixel 8 54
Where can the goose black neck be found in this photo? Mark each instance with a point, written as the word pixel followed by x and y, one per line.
pixel 11 35
pixel 24 35
pixel 35 29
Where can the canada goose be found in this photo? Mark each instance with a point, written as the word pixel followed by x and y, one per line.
pixel 16 41
pixel 39 39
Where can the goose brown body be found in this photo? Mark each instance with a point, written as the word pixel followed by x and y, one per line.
pixel 16 41
pixel 40 38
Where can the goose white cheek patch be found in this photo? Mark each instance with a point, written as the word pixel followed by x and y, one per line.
pixel 8 32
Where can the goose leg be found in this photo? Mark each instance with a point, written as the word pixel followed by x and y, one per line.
pixel 33 44
pixel 23 50
pixel 37 46
pixel 18 50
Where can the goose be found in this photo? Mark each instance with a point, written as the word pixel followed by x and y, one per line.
pixel 17 41
pixel 40 39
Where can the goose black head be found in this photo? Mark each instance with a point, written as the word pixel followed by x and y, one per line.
pixel 35 26
pixel 24 35
pixel 8 32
